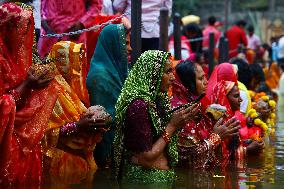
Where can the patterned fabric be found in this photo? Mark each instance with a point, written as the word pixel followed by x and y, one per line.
pixel 69 159
pixel 21 129
pixel 219 96
pixel 224 71
pixel 71 62
pixel 108 71
pixel 143 83
pixel 194 152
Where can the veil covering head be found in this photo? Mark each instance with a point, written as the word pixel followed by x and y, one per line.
pixel 144 82
pixel 109 67
pixel 219 95
pixel 108 71
pixel 224 71
pixel 71 62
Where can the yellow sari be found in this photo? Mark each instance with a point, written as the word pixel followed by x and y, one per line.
pixel 69 160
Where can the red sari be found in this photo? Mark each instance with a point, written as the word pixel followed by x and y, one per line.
pixel 92 36
pixel 193 149
pixel 219 96
pixel 21 130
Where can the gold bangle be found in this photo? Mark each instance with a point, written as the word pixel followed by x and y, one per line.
pixel 166 136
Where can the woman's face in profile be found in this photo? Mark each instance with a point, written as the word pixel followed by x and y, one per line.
pixel 167 78
pixel 128 46
pixel 201 80
pixel 234 98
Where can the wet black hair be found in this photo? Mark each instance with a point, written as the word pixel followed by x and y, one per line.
pixel 244 72
pixel 186 73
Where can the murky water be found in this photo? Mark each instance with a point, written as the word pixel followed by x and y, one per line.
pixel 264 171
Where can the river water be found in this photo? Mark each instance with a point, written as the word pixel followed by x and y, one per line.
pixel 264 171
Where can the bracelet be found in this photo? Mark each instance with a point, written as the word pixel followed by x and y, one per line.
pixel 16 95
pixel 69 129
pixel 214 139
pixel 166 136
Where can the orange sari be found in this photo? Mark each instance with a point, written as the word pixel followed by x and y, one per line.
pixel 272 75
pixel 21 130
pixel 69 160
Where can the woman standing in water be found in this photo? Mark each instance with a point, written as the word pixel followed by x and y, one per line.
pixel 201 136
pixel 146 134
pixel 108 71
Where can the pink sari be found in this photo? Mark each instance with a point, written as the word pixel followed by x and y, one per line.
pixel 62 14
pixel 224 71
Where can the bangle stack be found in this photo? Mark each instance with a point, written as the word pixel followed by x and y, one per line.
pixel 69 129
pixel 214 140
pixel 166 136
pixel 16 95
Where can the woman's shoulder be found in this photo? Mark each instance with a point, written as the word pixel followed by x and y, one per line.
pixel 137 110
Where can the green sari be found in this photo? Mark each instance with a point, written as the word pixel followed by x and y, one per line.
pixel 108 71
pixel 144 82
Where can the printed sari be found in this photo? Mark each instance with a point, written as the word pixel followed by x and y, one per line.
pixel 21 130
pixel 69 159
pixel 108 71
pixel 142 112
pixel 193 149
pixel 231 148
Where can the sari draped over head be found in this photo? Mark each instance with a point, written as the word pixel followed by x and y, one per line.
pixel 193 150
pixel 219 96
pixel 143 83
pixel 224 71
pixel 181 96
pixel 21 130
pixel 71 62
pixel 64 164
pixel 92 36
pixel 108 71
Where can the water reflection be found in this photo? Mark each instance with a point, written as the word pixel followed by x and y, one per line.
pixel 264 171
